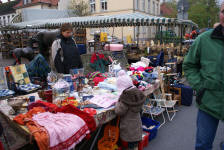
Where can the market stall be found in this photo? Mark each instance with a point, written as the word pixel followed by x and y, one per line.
pixel 91 96
pixel 20 104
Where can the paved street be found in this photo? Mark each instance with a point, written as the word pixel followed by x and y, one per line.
pixel 180 133
pixel 6 62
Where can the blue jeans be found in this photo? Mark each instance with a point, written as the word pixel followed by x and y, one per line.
pixel 222 146
pixel 206 131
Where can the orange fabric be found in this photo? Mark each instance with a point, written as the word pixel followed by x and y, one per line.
pixel 39 133
pixel 20 118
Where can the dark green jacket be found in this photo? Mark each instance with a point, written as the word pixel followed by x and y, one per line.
pixel 204 69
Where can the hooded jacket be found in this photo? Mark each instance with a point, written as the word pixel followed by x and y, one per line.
pixel 65 55
pixel 204 69
pixel 128 108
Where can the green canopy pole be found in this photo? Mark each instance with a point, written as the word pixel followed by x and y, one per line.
pixel 161 34
pixel 181 37
pixel 137 35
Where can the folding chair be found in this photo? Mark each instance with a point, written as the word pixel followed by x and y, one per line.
pixel 154 110
pixel 20 76
pixel 4 91
pixel 163 99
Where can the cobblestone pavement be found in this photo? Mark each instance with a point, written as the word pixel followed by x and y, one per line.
pixel 9 61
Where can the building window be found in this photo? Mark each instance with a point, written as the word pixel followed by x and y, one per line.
pixel 149 6
pixel 26 2
pixel 8 19
pixel 153 8
pixel 4 21
pixel 158 9
pixel 143 5
pixel 136 4
pixel 92 6
pixel 103 5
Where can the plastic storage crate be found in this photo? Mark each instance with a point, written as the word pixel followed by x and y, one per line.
pixel 141 145
pixel 149 122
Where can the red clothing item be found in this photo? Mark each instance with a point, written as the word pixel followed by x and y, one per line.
pixel 90 111
pixel 1 146
pixel 51 106
pixel 94 57
pixel 47 106
pixel 90 121
pixel 97 80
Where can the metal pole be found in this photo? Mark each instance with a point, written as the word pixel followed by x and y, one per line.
pixel 96 137
pixel 137 36
pixel 181 38
pixel 122 34
pixel 161 34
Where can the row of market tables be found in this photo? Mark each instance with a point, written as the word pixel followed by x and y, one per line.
pixel 102 117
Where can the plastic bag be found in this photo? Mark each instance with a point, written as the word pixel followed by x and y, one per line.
pixel 61 91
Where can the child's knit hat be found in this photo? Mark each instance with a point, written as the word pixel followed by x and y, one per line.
pixel 123 81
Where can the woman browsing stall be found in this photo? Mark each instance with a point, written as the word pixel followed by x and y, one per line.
pixel 64 52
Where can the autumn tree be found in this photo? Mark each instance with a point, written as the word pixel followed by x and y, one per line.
pixel 79 8
pixel 204 12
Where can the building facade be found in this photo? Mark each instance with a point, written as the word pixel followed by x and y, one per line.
pixel 112 7
pixel 36 4
pixel 7 12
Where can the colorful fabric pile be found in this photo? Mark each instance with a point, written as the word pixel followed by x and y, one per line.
pixel 70 100
pixel 97 77
pixel 85 116
pixel 39 133
pixel 64 130
pixel 47 106
pixel 143 76
pixel 56 128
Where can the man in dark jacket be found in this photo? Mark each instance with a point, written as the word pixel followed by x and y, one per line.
pixel 64 53
pixel 204 69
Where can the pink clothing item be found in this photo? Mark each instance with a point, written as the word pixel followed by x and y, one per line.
pixel 121 73
pixel 104 100
pixel 132 69
pixel 123 81
pixel 140 69
pixel 65 130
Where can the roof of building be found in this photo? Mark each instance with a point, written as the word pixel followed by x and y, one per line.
pixel 7 8
pixel 131 19
pixel 35 2
pixel 165 9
